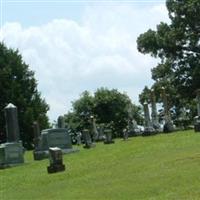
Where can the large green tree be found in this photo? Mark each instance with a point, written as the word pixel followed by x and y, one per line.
pixel 178 46
pixel 18 86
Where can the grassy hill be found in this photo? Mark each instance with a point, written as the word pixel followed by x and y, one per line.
pixel 165 166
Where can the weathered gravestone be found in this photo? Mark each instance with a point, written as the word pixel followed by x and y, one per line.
pixel 56 160
pixel 11 152
pixel 148 128
pixel 108 134
pixel 94 129
pixel 168 126
pixel 53 138
pixel 133 129
pixel 125 134
pixel 197 118
pixel 87 139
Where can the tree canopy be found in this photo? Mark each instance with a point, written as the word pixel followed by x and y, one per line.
pixel 107 106
pixel 178 46
pixel 18 86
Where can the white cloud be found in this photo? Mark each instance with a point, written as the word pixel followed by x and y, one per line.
pixel 70 57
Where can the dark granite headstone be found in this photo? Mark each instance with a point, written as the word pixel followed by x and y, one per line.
pixel 12 127
pixel 56 160
pixel 61 122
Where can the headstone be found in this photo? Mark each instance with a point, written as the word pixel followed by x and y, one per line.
pixel 168 126
pixel 148 128
pixel 36 132
pixel 125 134
pixel 94 129
pixel 108 134
pixel 197 118
pixel 133 129
pixel 11 152
pixel 87 139
pixel 61 122
pixel 53 138
pixel 78 138
pixel 56 160
pixel 154 114
pixel 12 127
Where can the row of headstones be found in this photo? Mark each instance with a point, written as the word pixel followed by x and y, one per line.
pixel 12 152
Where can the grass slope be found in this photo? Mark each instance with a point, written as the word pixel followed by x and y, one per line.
pixel 165 166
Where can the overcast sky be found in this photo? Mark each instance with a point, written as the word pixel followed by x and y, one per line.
pixel 74 46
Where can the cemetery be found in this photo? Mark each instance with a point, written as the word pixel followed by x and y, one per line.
pixel 115 141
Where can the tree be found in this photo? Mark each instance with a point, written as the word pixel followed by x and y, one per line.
pixel 108 107
pixel 18 86
pixel 178 47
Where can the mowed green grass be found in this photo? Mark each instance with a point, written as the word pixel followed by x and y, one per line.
pixel 165 166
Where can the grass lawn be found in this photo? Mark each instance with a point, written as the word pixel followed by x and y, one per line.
pixel 165 166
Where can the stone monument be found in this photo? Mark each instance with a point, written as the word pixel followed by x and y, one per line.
pixel 61 122
pixel 148 128
pixel 87 139
pixel 168 126
pixel 94 129
pixel 154 114
pixel 56 160
pixel 11 152
pixel 108 134
pixel 197 118
pixel 58 137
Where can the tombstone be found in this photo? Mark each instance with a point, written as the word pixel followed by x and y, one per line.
pixel 154 114
pixel 36 133
pixel 133 129
pixel 11 152
pixel 58 137
pixel 108 134
pixel 197 118
pixel 94 129
pixel 56 160
pixel 125 134
pixel 78 138
pixel 101 135
pixel 148 128
pixel 168 125
pixel 87 139
pixel 61 122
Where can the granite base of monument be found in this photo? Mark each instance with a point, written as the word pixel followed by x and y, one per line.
pixel 197 124
pixel 11 154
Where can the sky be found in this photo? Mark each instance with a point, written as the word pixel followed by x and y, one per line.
pixel 73 46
